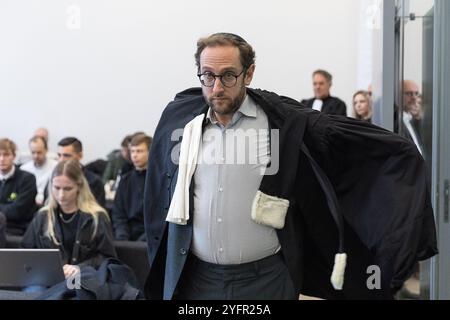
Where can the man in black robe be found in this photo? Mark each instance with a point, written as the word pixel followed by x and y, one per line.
pixel 323 101
pixel 335 179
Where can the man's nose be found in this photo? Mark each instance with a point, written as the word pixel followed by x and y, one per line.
pixel 218 86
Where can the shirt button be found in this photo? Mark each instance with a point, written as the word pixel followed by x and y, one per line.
pixel 220 249
pixel 183 251
pixel 219 220
pixel 78 242
pixel 74 260
pixel 220 189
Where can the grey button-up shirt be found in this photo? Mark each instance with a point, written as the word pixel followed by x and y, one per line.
pixel 230 169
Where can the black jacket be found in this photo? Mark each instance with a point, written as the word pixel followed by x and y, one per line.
pixel 96 185
pixel 86 251
pixel 331 105
pixel 377 179
pixel 17 200
pixel 128 209
pixel 111 281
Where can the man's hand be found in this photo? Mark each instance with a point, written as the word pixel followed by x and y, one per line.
pixel 70 270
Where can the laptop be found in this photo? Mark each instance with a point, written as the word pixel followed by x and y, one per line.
pixel 29 267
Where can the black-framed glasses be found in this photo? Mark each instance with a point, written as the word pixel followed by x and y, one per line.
pixel 228 79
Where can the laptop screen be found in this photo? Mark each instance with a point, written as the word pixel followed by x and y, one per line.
pixel 30 267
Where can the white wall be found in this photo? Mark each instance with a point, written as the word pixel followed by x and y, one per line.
pixel 114 70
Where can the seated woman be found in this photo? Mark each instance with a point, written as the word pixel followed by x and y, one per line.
pixel 362 106
pixel 72 222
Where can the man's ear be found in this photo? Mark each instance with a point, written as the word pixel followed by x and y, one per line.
pixel 249 75
pixel 80 156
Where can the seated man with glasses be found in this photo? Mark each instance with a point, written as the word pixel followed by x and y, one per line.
pixel 253 202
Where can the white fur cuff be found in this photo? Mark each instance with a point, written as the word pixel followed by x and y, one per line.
pixel 337 277
pixel 269 211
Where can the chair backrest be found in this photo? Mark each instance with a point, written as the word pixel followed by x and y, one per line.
pixel 134 255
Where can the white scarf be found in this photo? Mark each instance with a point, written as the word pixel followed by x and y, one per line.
pixel 179 206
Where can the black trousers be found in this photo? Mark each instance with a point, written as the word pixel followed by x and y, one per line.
pixel 265 279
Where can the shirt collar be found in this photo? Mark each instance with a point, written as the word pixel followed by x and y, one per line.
pixel 9 174
pixel 407 116
pixel 247 109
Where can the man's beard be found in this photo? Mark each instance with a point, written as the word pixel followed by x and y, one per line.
pixel 233 107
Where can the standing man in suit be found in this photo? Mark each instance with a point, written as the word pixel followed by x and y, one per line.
pixel 323 101
pixel 268 224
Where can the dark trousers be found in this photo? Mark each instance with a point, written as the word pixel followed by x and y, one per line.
pixel 2 230
pixel 265 279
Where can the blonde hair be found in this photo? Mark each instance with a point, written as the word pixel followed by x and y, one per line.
pixel 369 103
pixel 85 199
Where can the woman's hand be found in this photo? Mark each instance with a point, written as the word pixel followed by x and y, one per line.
pixel 70 270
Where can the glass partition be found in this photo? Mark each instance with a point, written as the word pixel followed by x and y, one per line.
pixel 413 110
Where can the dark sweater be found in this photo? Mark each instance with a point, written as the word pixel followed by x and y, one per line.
pixel 96 185
pixel 69 227
pixel 127 212
pixel 17 201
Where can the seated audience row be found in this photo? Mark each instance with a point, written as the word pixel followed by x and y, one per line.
pixel 19 186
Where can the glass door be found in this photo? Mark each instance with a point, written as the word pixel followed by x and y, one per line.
pixel 422 73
